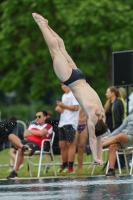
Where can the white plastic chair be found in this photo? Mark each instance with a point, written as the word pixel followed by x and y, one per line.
pixel 126 151
pixel 93 168
pixel 41 153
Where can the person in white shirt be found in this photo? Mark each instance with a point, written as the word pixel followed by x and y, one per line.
pixel 68 123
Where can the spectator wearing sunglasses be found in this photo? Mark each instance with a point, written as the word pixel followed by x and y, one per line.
pixel 33 138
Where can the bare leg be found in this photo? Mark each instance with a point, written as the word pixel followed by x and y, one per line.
pixel 71 151
pixel 47 159
pixel 64 151
pixel 112 155
pixel 81 147
pixel 15 141
pixel 12 154
pixel 63 49
pixel 120 138
pixel 20 159
pixel 60 64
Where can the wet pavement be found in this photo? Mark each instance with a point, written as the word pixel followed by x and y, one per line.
pixel 81 188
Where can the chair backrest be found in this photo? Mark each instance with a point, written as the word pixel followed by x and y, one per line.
pixel 47 144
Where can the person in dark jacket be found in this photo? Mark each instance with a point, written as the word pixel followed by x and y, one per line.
pixel 115 108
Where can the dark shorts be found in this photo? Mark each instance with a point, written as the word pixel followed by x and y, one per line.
pixel 76 75
pixel 6 128
pixel 81 127
pixel 67 133
pixel 33 145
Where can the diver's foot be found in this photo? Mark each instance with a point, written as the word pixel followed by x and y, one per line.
pixel 39 19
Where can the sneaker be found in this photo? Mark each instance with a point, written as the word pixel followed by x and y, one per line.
pixel 27 150
pixel 60 169
pixel 13 175
pixel 111 172
pixel 24 148
pixel 67 169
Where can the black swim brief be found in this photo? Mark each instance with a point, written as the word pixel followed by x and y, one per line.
pixel 76 75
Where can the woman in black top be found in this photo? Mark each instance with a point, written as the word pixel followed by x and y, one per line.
pixel 115 108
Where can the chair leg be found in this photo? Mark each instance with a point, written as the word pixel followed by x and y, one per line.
pixel 118 161
pixel 16 157
pixel 52 155
pixel 29 167
pixel 107 168
pixel 40 162
pixel 93 168
pixel 131 169
pixel 126 163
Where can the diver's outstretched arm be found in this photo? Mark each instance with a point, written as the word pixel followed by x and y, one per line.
pixel 92 138
pixel 99 147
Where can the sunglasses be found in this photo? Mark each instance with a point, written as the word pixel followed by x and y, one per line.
pixel 37 116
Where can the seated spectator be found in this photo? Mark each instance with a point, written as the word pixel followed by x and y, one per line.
pixel 122 137
pixel 33 138
pixel 19 131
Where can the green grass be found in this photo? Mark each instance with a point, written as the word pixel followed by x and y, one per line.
pixel 24 173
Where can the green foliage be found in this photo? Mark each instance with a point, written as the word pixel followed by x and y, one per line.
pixel 25 112
pixel 91 29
